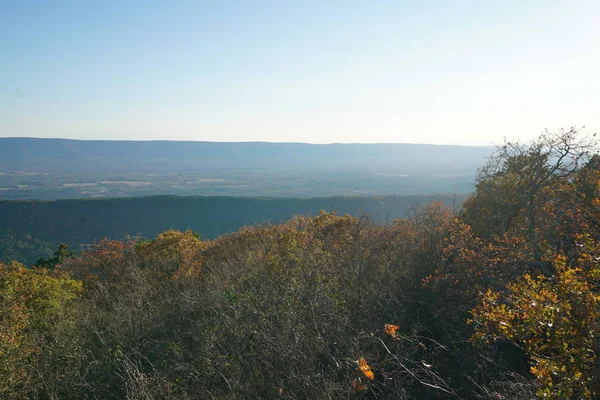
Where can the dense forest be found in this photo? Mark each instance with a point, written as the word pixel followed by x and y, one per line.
pixel 32 229
pixel 499 300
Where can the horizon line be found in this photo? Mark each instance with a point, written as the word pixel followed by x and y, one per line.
pixel 245 142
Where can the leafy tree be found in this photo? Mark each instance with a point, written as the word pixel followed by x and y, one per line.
pixel 519 180
pixel 60 255
pixel 34 324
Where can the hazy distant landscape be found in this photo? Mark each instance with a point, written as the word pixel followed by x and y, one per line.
pixel 168 296
pixel 287 200
pixel 77 191
pixel 58 168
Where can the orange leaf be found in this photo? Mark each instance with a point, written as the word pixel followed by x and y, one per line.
pixel 366 370
pixel 391 330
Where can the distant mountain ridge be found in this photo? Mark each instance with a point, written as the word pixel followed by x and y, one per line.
pixel 69 149
pixel 32 168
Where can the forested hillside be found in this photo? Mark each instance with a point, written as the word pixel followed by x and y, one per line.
pixel 500 300
pixel 28 229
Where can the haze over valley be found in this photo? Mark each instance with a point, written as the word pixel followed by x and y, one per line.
pixel 47 169
pixel 288 200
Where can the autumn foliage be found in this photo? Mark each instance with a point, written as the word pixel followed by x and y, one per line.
pixel 499 300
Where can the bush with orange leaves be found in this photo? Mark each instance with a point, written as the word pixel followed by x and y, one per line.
pixel 555 320
pixel 340 307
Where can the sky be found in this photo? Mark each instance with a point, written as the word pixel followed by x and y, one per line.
pixel 326 71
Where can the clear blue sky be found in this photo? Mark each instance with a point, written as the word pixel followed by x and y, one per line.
pixel 465 72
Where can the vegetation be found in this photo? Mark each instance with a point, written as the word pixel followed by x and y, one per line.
pixel 23 247
pixel 497 301
pixel 60 256
pixel 80 222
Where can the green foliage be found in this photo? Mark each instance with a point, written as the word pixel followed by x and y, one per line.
pixel 556 322
pixel 33 229
pixel 60 255
pixel 33 319
pixel 23 247
pixel 331 306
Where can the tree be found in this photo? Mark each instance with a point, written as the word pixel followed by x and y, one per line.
pixel 60 255
pixel 519 179
pixel 34 327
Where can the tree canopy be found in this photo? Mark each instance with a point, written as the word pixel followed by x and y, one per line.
pixel 497 301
